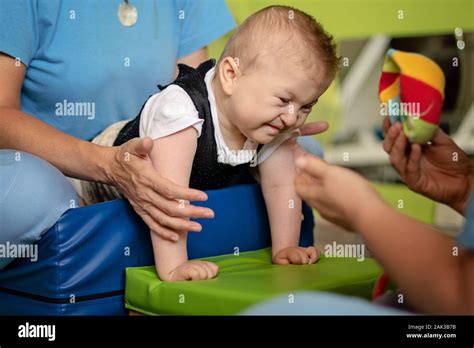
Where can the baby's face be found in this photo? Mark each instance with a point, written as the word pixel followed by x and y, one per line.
pixel 274 98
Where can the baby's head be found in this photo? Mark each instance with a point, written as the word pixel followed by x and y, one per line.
pixel 272 72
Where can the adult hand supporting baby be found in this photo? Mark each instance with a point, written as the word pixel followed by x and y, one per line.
pixel 440 170
pixel 156 199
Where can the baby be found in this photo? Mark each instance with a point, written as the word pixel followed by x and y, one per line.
pixel 216 122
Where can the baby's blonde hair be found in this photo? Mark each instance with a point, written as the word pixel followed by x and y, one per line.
pixel 282 30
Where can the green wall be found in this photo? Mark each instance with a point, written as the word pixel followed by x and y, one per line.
pixel 348 19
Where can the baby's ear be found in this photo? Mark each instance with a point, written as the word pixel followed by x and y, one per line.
pixel 229 71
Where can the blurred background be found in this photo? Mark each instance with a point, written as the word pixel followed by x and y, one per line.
pixel 442 30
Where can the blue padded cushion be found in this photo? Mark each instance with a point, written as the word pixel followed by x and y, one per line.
pixel 82 258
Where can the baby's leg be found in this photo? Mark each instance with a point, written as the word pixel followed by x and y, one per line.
pixel 172 157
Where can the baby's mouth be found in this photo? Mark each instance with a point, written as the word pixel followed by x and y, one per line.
pixel 274 127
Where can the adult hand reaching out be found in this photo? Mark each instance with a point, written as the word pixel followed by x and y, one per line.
pixel 440 170
pixel 407 249
pixel 338 194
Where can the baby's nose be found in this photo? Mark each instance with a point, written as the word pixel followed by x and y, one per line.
pixel 289 119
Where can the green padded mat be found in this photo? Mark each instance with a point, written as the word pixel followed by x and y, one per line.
pixel 244 280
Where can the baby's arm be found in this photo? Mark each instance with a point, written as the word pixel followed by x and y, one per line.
pixel 173 157
pixel 277 174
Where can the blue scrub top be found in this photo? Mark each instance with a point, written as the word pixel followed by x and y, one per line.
pixel 85 70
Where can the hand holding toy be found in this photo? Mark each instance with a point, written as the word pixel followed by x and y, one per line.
pixel 411 91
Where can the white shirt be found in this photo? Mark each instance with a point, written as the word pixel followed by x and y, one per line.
pixel 172 110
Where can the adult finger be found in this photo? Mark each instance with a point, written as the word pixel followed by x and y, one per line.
pixel 312 166
pixel 182 210
pixel 386 124
pixel 309 192
pixel 175 224
pixel 302 185
pixel 314 128
pixel 139 147
pixel 390 137
pixel 172 207
pixel 171 190
pixel 398 157
pixel 303 178
pixel 413 165
pixel 166 234
pixel 298 151
pixel 156 219
pixel 160 230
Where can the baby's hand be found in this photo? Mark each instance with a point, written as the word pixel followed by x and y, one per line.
pixel 194 270
pixel 296 256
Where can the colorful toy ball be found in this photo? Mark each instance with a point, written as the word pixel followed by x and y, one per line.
pixel 411 91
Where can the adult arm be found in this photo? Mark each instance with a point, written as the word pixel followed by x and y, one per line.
pixel 152 196
pixel 435 277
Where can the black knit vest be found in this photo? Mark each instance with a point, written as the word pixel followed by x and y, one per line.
pixel 207 173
